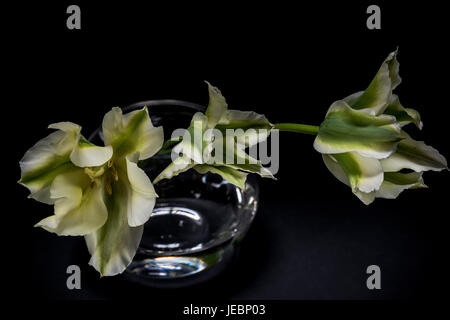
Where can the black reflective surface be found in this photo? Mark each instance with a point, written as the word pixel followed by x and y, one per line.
pixel 311 238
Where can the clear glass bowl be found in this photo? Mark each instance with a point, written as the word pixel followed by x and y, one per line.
pixel 198 220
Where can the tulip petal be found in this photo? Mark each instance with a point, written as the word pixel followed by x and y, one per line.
pixel 360 173
pixel 79 205
pixel 255 128
pixel 394 183
pixel 414 155
pixel 353 97
pixel 193 144
pixel 402 114
pixel 366 198
pixel 335 168
pixel 131 133
pixel 348 130
pixel 87 154
pixel 142 195
pixel 216 107
pixel 48 158
pixel 68 127
pixel 114 245
pixel 241 160
pixel 231 175
pixel 253 168
pixel 377 95
pixel 181 164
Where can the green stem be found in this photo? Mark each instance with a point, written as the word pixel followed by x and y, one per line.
pixel 290 127
pixel 296 127
pixel 168 145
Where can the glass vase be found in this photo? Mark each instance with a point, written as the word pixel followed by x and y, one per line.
pixel 198 220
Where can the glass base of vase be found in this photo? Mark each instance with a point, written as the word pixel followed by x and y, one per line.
pixel 180 271
pixel 188 240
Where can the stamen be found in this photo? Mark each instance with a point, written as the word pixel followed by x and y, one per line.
pixel 108 188
pixel 108 184
pixel 92 173
pixel 100 172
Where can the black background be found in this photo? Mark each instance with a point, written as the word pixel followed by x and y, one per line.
pixel 311 238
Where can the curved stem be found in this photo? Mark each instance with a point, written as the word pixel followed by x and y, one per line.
pixel 296 127
pixel 289 127
pixel 168 145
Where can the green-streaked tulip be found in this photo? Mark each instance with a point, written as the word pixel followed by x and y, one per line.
pixel 58 153
pixel 363 144
pixel 347 130
pixel 97 192
pixel 197 152
pixel 101 193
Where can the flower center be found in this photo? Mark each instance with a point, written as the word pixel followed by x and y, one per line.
pixel 111 176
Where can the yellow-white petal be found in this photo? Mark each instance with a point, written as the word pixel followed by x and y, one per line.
pixel 366 198
pixel 360 173
pixel 142 195
pixel 131 133
pixel 86 154
pixel 114 245
pixel 79 205
pixel 193 144
pixel 110 254
pixel 216 107
pixel 335 168
pixel 48 158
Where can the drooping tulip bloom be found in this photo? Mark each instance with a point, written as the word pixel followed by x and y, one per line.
pixel 364 146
